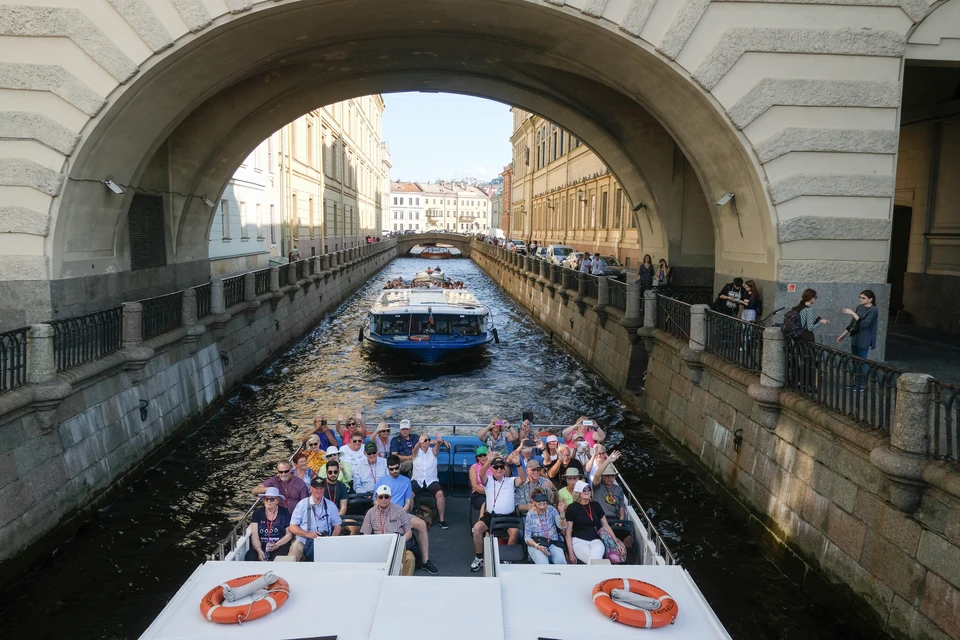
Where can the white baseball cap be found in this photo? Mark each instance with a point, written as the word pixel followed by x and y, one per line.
pixel 552 438
pixel 580 486
pixel 383 490
pixel 404 424
pixel 333 451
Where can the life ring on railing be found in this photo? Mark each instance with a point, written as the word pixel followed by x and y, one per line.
pixel 211 606
pixel 420 338
pixel 659 610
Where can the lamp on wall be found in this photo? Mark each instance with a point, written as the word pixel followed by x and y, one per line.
pixel 113 186
pixel 731 197
pixel 580 195
pixel 549 203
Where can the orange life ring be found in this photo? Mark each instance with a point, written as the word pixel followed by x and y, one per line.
pixel 211 606
pixel 420 338
pixel 661 617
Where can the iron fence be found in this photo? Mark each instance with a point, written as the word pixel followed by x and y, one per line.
pixel 946 420
pixel 860 389
pixel 593 286
pixel 85 338
pixel 284 278
pixel 689 295
pixel 203 299
pixel 161 314
pixel 301 267
pixel 618 294
pixel 232 291
pixel 673 316
pixel 261 281
pixel 736 341
pixel 13 359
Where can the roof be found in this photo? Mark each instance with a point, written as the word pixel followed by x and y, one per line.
pixel 405 187
pixel 437 300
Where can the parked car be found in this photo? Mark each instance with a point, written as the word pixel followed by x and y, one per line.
pixel 521 246
pixel 570 262
pixel 555 253
pixel 541 253
pixel 610 266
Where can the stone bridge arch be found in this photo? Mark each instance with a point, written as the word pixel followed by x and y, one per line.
pixel 790 106
pixel 407 242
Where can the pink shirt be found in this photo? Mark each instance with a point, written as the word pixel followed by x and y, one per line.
pixel 588 436
pixel 476 472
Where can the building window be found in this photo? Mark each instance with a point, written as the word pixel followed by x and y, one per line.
pixel 593 211
pixel 225 219
pixel 603 210
pixel 273 225
pixel 259 220
pixel 270 154
pixel 294 217
pixel 245 226
pixel 312 226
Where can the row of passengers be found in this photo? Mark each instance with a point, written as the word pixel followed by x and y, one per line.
pixel 502 494
pixel 274 527
pixel 365 472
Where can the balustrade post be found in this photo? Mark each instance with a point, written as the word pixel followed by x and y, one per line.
pixel 646 332
pixel 903 459
pixel 41 358
pixel 632 320
pixel 250 294
pixel 581 292
pixel 275 294
pixel 131 332
pixel 292 274
pixel 325 266
pixel 697 342
pixel 190 322
pixel 316 267
pixel 543 278
pixel 603 300
pixel 218 307
pixel 567 283
pixel 773 372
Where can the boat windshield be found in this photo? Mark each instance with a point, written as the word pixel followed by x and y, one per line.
pixel 395 325
pixel 420 323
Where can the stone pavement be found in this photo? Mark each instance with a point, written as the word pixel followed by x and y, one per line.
pixel 922 350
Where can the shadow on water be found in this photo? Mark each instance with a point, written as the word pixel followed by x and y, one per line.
pixel 116 574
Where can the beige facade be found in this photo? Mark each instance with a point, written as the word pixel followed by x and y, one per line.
pixel 431 206
pixel 316 184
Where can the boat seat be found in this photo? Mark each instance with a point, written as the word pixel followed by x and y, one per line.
pixel 627 526
pixel 359 504
pixel 461 464
pixel 348 520
pixel 513 553
pixel 445 464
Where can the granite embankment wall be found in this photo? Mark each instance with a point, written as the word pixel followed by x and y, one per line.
pixel 68 443
pixel 843 509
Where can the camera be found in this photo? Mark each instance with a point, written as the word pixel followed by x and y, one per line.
pixel 323 422
pixel 499 423
pixel 588 423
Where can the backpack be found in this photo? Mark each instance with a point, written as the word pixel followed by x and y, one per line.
pixel 792 328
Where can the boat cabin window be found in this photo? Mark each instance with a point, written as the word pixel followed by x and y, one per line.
pixel 465 325
pixel 421 324
pixel 395 325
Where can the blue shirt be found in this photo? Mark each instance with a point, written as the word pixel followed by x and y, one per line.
pixel 403 447
pixel 400 489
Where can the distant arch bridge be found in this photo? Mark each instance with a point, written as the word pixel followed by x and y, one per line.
pixel 408 241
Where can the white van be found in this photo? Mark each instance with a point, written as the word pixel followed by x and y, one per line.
pixel 557 252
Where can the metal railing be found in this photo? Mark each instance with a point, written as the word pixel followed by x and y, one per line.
pixel 618 294
pixel 673 316
pixel 85 338
pixel 161 314
pixel 284 278
pixel 203 299
pixel 301 267
pixel 233 290
pixel 689 295
pixel 863 390
pixel 946 420
pixel 736 341
pixel 653 534
pixel 261 281
pixel 13 359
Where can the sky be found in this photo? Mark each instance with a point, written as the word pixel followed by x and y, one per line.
pixel 441 135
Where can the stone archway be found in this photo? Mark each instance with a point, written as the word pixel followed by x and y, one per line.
pixel 735 88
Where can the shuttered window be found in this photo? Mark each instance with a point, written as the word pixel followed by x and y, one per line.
pixel 148 247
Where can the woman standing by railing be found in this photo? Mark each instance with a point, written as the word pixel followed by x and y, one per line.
pixel 862 331
pixel 752 303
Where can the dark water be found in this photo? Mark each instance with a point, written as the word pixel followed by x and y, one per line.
pixel 114 577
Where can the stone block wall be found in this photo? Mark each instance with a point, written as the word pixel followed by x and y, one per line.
pixel 59 463
pixel 810 485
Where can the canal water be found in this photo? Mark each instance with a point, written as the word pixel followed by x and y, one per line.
pixel 116 574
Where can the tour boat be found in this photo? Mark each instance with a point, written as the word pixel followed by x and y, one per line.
pixel 429 324
pixel 510 598
pixel 436 253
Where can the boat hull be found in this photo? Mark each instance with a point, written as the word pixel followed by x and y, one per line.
pixel 430 350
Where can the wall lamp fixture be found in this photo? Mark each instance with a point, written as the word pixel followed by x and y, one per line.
pixel 580 195
pixel 113 186
pixel 143 410
pixel 730 197
pixel 725 199
pixel 207 201
pixel 640 205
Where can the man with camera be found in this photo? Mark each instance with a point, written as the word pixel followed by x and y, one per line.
pixel 314 517
pixel 500 500
pixel 323 431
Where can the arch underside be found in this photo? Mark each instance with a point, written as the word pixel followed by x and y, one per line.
pixel 187 122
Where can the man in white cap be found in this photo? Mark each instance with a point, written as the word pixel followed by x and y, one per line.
pixel 346 472
pixel 314 517
pixel 403 445
pixel 388 517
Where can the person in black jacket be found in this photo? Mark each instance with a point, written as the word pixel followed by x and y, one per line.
pixel 728 301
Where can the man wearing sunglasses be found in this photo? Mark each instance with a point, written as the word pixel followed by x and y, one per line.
pixel 425 476
pixel 352 452
pixel 314 517
pixel 346 473
pixel 388 517
pixel 292 489
pixel 402 445
pixel 370 472
pixel 500 494
pixel 322 430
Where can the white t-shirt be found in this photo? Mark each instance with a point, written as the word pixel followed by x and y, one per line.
pixel 586 265
pixel 355 458
pixel 500 496
pixel 425 468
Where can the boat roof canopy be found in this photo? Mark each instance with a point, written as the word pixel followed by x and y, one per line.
pixel 405 301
